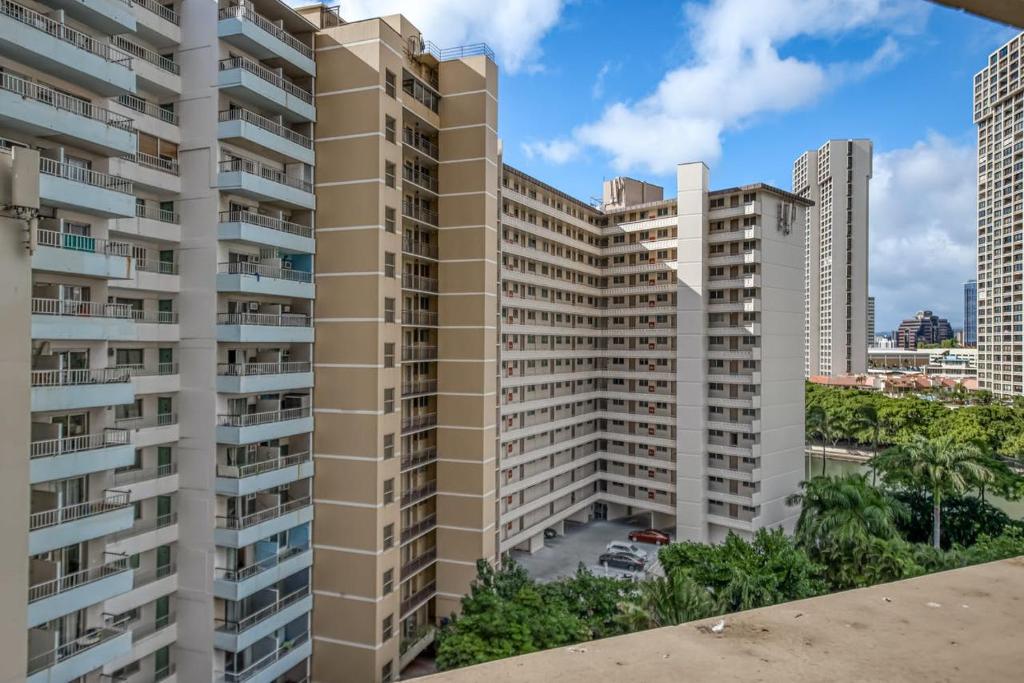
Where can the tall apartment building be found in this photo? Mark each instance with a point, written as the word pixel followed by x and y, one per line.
pixel 998 110
pixel 406 341
pixel 871 321
pixel 166 413
pixel 971 312
pixel 836 179
pixel 650 357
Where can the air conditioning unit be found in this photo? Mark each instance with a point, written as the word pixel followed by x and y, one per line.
pixel 253 306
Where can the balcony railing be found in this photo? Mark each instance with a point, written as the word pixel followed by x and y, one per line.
pixel 459 52
pixel 419 493
pixel 76 444
pixel 425 284
pixel 144 526
pixel 419 213
pixel 419 317
pixel 419 178
pixel 85 243
pixel 418 528
pixel 144 577
pixel 78 579
pixel 257 369
pixel 147 421
pixel 417 458
pixel 420 142
pixel 264 613
pixel 237 575
pixel 85 175
pixel 153 161
pixel 91 638
pixel 267 75
pixel 161 11
pixel 261 664
pixel 63 102
pixel 419 352
pixel 261 466
pixel 145 54
pixel 421 93
pixel 418 247
pixel 154 317
pixel 134 476
pixel 145 210
pixel 259 270
pixel 266 124
pixel 64 33
pixel 246 13
pixel 80 309
pixel 79 377
pixel 423 386
pixel 265 319
pixel 114 500
pixel 414 422
pixel 148 108
pixel 262 221
pixel 261 516
pixel 268 417
pixel 418 597
pixel 151 265
pixel 266 172
pixel 419 562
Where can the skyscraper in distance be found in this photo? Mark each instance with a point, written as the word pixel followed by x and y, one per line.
pixel 971 312
pixel 871 321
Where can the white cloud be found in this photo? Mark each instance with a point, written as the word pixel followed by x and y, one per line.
pixel 597 90
pixel 737 72
pixel 512 28
pixel 553 151
pixel 923 229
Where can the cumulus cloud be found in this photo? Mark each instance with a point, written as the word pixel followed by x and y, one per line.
pixel 736 73
pixel 597 90
pixel 923 229
pixel 553 151
pixel 512 28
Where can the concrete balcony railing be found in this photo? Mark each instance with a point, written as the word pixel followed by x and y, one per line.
pixel 419 282
pixel 65 583
pixel 419 562
pixel 113 500
pixel 247 521
pixel 247 622
pixel 421 143
pixel 417 494
pixel 412 423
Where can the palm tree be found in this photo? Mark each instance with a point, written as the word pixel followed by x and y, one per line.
pixel 939 466
pixel 819 425
pixel 844 510
pixel 667 601
pixel 867 418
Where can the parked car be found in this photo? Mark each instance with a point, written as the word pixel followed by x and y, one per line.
pixel 649 536
pixel 621 561
pixel 550 533
pixel 628 548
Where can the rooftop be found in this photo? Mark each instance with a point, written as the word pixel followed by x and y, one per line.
pixel 963 624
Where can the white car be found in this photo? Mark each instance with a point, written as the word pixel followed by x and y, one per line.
pixel 624 547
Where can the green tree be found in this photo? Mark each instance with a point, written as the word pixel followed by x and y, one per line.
pixel 667 601
pixel 866 419
pixel 965 519
pixel 817 425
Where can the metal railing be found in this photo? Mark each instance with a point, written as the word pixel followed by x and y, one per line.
pixel 419 247
pixel 64 102
pixel 114 500
pixel 419 352
pixel 73 242
pixel 261 466
pixel 459 52
pixel 146 55
pixel 147 421
pixel 419 562
pixel 64 33
pixel 159 10
pixel 419 493
pixel 418 528
pixel 154 317
pixel 80 376
pixel 421 142
pixel 261 664
pixel 77 444
pixel 260 270
pixel 148 108
pixel 418 317
pixel 418 597
pixel 134 476
pixel 261 170
pixel 267 417
pixel 426 284
pixel 419 178
pixel 87 176
pixel 420 457
pixel 421 93
pixel 91 638
pixel 150 265
pixel 267 75
pixel 155 213
pixel 266 319
pixel 254 369
pixel 266 124
pixel 411 422
pixel 80 309
pixel 153 161
pixel 261 516
pixel 422 386
pixel 262 221
pixel 246 13
pixel 237 575
pixel 419 213
pixel 62 584
pixel 264 613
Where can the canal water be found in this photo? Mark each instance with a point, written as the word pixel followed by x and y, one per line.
pixel 1015 509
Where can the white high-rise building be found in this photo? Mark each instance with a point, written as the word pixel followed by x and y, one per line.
pixel 836 179
pixel 871 321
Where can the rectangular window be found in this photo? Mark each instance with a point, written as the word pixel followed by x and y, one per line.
pixel 386 627
pixel 389 174
pixel 389 83
pixel 389 129
pixel 389 354
pixel 389 536
pixel 389 401
pixel 389 491
pixel 389 219
pixel 389 264
pixel 386 673
pixel 389 581
pixel 389 310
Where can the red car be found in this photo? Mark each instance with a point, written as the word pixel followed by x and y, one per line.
pixel 649 536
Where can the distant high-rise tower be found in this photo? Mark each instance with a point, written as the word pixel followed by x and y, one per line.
pixel 835 178
pixel 971 312
pixel 871 321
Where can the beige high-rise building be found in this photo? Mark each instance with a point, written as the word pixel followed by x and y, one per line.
pixel 998 101
pixel 836 178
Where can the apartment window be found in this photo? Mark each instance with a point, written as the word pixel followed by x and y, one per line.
pixel 389 491
pixel 389 83
pixel 386 673
pixel 389 309
pixel 389 354
pixel 389 264
pixel 389 128
pixel 389 219
pixel 389 581
pixel 389 401
pixel 387 627
pixel 389 174
pixel 389 446
pixel 389 536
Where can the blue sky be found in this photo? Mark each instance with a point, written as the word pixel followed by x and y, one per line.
pixel 594 88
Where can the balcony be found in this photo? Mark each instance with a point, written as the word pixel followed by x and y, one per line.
pixel 151 430
pixel 258 181
pixel 424 559
pixel 737 259
pixel 421 143
pixel 64 526
pixel 253 378
pixel 412 602
pixel 86 320
pixel 151 222
pixel 418 493
pixel 108 16
pixel 68 186
pixel 419 528
pixel 234 636
pixel 419 213
pixel 249 277
pixel 249 130
pixel 157 24
pixel 238 532
pixel 264 327
pixel 418 423
pixel 423 181
pixel 419 248
pixel 264 426
pixel 418 352
pixel 44 112
pixel 418 458
pixel 236 584
pixel 76 456
pixel 155 72
pixel 158 174
pixel 419 283
pixel 144 535
pixel 51 599
pixel 146 482
pixel 241 480
pixel 81 388
pixel 257 35
pixel 419 387
pixel 78 657
pixel 43 43
pixel 254 228
pixel 64 252
pixel 419 318
pixel 265 89
pixel 274 665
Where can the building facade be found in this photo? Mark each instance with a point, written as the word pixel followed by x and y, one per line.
pixel 971 313
pixel 167 323
pixel 924 328
pixel 871 321
pixel 836 178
